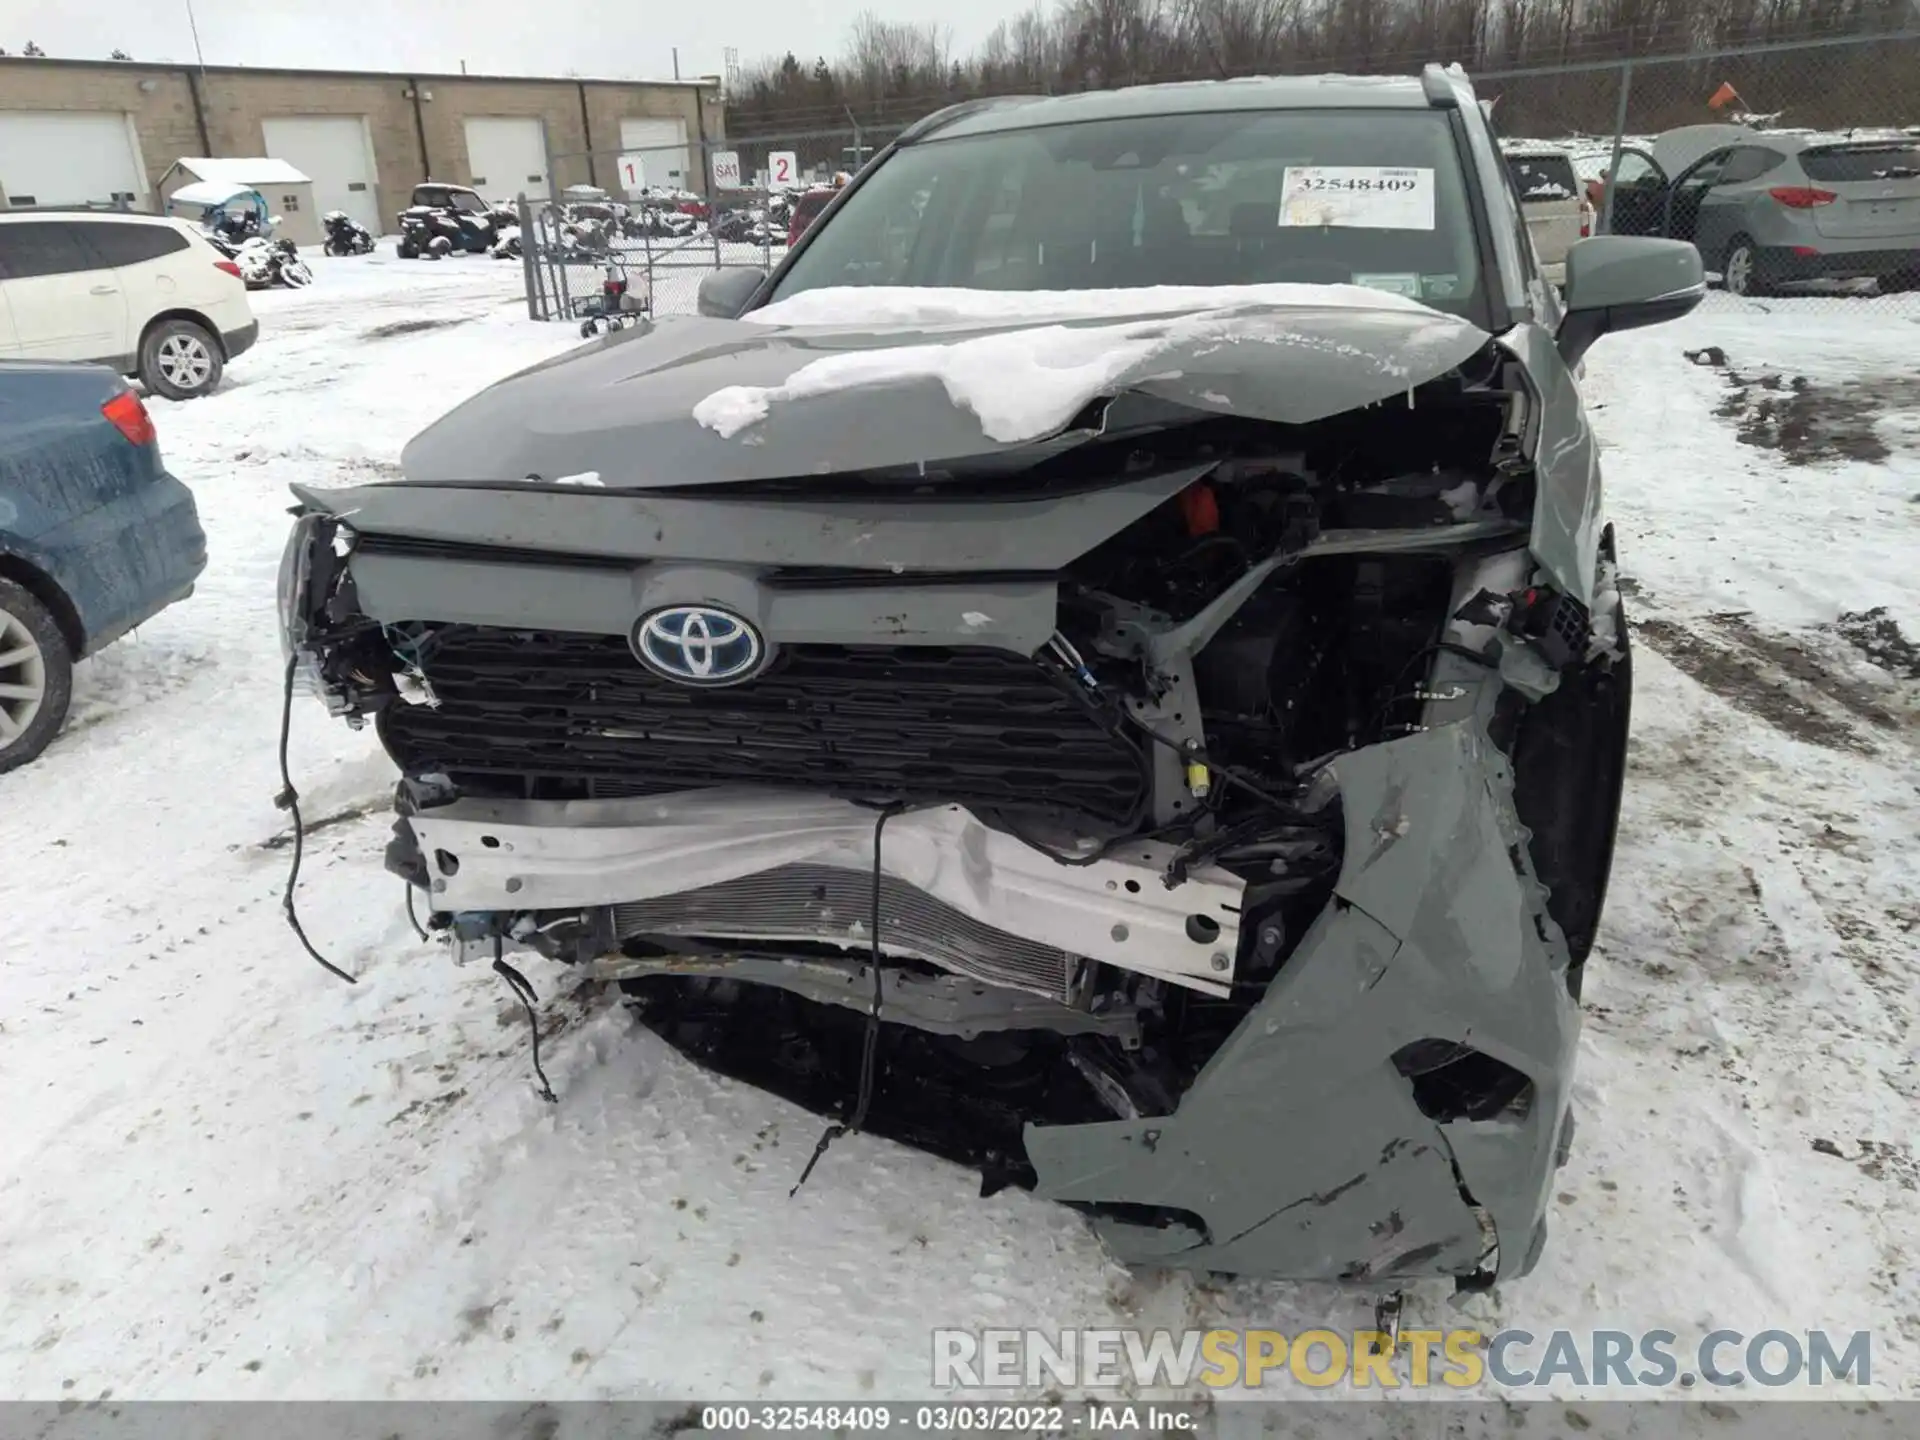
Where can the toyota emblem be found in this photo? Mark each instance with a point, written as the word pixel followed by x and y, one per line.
pixel 699 645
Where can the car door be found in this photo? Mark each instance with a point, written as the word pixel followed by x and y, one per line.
pixel 1639 195
pixel 1689 192
pixel 1724 206
pixel 148 260
pixel 66 304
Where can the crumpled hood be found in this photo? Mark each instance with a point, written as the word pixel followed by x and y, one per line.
pixel 782 401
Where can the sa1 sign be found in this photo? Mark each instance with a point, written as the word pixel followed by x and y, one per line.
pixel 726 169
pixel 633 173
pixel 783 169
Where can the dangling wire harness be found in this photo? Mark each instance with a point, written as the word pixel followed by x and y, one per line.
pixel 523 992
pixel 870 1044
pixel 289 800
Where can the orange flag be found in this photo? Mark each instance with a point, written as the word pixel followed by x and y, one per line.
pixel 1723 97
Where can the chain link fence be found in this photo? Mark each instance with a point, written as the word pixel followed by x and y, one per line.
pixel 1795 169
pixel 663 219
pixel 1809 190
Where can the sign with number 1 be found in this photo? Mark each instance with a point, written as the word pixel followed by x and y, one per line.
pixel 633 173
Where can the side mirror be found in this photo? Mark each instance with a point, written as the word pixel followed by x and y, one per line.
pixel 1621 282
pixel 724 293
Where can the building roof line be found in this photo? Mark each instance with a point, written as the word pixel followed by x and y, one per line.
pixel 173 67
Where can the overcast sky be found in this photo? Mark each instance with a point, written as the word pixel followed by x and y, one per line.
pixel 623 38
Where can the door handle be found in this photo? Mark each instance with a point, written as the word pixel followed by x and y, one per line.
pixel 104 290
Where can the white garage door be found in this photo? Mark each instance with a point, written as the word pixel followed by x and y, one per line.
pixel 335 152
pixel 663 145
pixel 507 157
pixel 70 157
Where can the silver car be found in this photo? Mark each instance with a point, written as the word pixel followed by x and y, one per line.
pixel 1105 665
pixel 1768 210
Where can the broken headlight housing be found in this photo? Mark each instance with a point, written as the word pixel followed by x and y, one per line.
pixel 311 570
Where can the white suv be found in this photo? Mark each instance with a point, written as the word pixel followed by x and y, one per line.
pixel 146 295
pixel 1556 211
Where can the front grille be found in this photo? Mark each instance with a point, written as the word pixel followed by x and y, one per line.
pixel 549 715
pixel 818 902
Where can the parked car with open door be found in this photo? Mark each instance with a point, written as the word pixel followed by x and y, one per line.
pixel 1767 210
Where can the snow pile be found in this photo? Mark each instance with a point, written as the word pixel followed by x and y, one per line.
pixel 1021 384
pixel 252 171
pixel 1024 383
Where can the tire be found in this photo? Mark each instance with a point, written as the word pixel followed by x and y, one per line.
pixel 408 250
pixel 336 248
pixel 33 657
pixel 180 360
pixel 1743 271
pixel 296 274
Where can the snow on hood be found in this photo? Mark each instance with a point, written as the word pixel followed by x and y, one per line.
pixel 816 400
pixel 1028 382
pixel 878 305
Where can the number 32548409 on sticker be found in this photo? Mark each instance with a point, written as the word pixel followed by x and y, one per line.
pixel 1368 197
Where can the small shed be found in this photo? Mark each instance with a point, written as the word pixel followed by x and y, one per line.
pixel 288 192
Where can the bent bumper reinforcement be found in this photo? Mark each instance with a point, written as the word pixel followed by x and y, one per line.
pixel 552 855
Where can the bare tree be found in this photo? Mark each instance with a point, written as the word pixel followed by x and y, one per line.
pixel 890 73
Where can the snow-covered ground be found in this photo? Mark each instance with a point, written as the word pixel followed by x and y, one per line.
pixel 225 1174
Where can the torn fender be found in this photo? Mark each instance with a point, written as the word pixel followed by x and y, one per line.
pixel 1300 1151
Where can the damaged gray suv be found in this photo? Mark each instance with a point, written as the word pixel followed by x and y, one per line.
pixel 1104 666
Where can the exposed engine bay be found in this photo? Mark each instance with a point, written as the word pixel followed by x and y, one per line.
pixel 1110 840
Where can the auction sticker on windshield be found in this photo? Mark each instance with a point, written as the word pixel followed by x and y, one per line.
pixel 1362 197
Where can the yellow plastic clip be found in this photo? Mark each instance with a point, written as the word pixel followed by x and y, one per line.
pixel 1199 779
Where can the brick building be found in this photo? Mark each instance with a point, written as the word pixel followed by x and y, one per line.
pixel 80 131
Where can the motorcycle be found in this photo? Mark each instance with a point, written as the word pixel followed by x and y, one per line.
pixel 345 235
pixel 661 224
pixel 747 227
pixel 264 262
pixel 508 246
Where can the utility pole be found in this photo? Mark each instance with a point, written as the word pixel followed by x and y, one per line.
pixel 856 150
pixel 194 26
pixel 197 85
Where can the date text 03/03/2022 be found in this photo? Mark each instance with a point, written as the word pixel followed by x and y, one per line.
pixel 1090 1418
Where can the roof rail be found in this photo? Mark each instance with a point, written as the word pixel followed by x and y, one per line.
pixel 928 124
pixel 1438 85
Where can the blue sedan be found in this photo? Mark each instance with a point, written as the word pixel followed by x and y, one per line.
pixel 95 536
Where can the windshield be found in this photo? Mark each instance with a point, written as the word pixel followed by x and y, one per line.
pixel 467 203
pixel 1365 197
